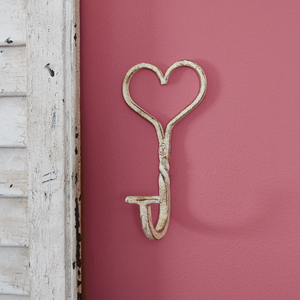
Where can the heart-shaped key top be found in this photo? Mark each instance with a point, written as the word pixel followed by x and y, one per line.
pixel 164 139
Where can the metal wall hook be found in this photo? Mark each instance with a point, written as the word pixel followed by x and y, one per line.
pixel 164 139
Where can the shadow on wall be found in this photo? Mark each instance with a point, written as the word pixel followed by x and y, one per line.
pixel 181 211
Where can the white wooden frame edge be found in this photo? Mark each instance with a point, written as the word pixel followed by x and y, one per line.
pixel 53 93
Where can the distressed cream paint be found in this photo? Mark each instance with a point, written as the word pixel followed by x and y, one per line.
pixel 164 141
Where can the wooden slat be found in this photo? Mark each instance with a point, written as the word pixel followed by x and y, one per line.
pixel 14 275
pixel 13 297
pixel 13 122
pixel 13 172
pixel 12 70
pixel 13 22
pixel 14 226
pixel 12 94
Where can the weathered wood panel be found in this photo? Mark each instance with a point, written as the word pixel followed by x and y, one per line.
pixel 73 154
pixel 13 172
pixel 14 226
pixel 46 142
pixel 13 297
pixel 13 70
pixel 14 275
pixel 13 122
pixel 13 22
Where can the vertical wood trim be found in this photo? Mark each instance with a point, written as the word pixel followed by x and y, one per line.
pixel 73 161
pixel 54 148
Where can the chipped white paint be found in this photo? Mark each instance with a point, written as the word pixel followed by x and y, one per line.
pixel 53 147
pixel 46 200
pixel 72 158
pixel 13 22
pixel 14 229
pixel 13 172
pixel 13 122
pixel 14 266
pixel 13 70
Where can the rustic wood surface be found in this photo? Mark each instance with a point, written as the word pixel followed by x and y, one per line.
pixel 54 148
pixel 13 22
pixel 14 229
pixel 13 122
pixel 73 150
pixel 39 49
pixel 13 172
pixel 14 265
pixel 14 225
pixel 13 70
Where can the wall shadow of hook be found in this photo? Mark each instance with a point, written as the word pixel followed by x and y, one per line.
pixel 164 139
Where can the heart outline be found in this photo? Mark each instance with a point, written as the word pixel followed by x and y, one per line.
pixel 164 139
pixel 163 81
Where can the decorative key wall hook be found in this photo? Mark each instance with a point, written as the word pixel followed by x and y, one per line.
pixel 164 139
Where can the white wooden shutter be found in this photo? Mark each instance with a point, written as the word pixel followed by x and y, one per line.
pixel 39 150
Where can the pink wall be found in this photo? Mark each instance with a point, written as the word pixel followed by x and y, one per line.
pixel 235 160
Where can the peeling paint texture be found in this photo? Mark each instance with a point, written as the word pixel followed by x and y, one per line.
pixel 52 76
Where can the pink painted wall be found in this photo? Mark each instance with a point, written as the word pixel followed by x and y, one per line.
pixel 235 160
